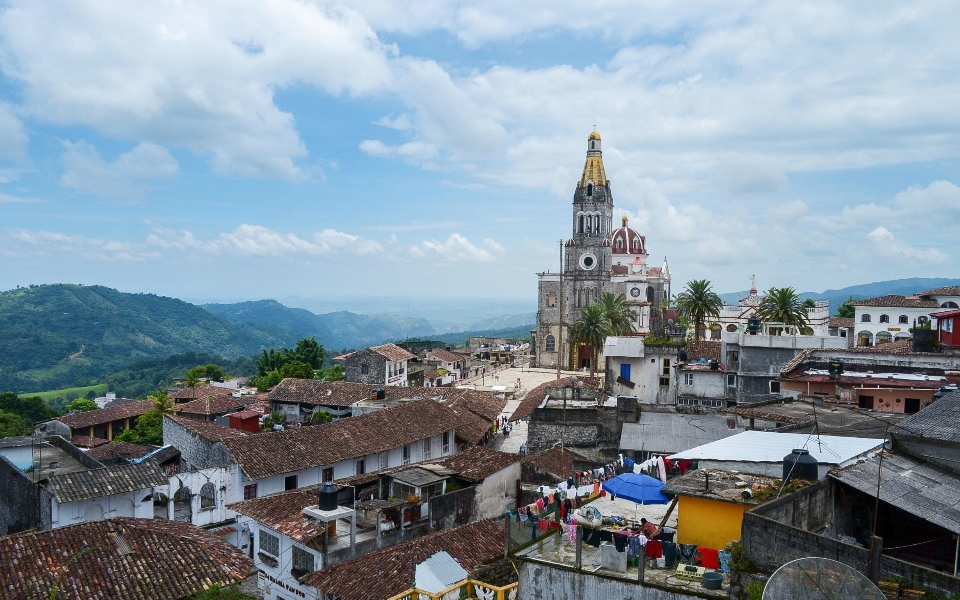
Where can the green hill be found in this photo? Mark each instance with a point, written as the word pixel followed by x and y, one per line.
pixel 54 336
pixel 334 330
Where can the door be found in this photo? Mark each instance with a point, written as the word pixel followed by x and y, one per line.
pixel 625 371
pixel 866 402
pixel 911 405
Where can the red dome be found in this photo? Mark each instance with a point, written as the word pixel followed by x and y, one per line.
pixel 628 241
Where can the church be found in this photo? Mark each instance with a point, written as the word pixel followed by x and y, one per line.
pixel 597 258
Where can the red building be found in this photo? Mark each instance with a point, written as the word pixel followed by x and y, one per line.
pixel 948 323
pixel 245 420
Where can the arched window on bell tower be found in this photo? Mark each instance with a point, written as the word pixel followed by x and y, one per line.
pixel 589 189
pixel 589 224
pixel 580 230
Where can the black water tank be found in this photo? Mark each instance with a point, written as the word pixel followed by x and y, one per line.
pixel 836 368
pixel 800 465
pixel 714 365
pixel 379 393
pixel 328 496
pixel 753 325
pixel 683 356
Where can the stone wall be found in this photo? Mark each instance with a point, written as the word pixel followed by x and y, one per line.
pixel 196 452
pixel 595 427
pixel 23 504
pixel 500 572
pixel 453 509
pixel 545 582
pixel 376 368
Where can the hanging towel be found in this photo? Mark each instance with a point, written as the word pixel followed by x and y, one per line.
pixel 654 549
pixel 725 558
pixel 710 559
pixel 662 470
pixel 572 534
pixel 628 463
pixel 620 541
pixel 688 553
pixel 591 537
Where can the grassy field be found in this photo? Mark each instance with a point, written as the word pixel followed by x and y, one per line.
pixel 80 391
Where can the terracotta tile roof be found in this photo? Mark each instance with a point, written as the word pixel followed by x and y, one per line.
pixel 897 347
pixel 394 568
pixel 443 354
pixel 107 481
pixel 85 441
pixel 393 352
pixel 283 512
pixel 478 463
pixel 556 461
pixel 469 427
pixel 246 414
pixel 619 270
pixel 212 405
pixel 320 393
pixel 897 301
pixel 115 450
pixel 106 415
pixel 482 403
pixel 535 396
pixel 270 454
pixel 654 271
pixel 208 430
pixel 708 349
pixel 766 416
pixel 947 290
pixel 845 322
pixel 201 391
pixel 118 559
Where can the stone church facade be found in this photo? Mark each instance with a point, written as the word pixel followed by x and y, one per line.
pixel 596 259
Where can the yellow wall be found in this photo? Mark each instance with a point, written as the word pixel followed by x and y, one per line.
pixel 708 523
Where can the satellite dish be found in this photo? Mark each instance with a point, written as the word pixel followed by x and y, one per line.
pixel 819 579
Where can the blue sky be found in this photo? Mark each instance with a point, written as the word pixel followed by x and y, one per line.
pixel 247 149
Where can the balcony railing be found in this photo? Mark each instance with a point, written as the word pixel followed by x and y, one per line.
pixel 468 588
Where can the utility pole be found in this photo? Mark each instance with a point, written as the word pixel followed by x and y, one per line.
pixel 560 301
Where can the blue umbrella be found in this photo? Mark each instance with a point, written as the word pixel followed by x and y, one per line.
pixel 637 487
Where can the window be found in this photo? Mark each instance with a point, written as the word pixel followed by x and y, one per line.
pixel 664 382
pixel 289 483
pixel 733 356
pixel 446 442
pixel 884 318
pixel 715 333
pixel 382 460
pixel 589 189
pixel 688 379
pixel 302 561
pixel 208 496
pixel 904 320
pixel 406 455
pixel 403 491
pixel 551 299
pixel 364 368
pixel 589 224
pixel 625 371
pixel 949 304
pixel 666 368
pixel 269 543
pixel 596 225
pixel 731 380
pixel 865 319
pixel 250 491
pixel 619 243
pixel 328 474
pixel 427 448
pixel 774 387
pixel 550 345
pixel 361 467
pixel 432 491
pixel 731 327
pixel 580 219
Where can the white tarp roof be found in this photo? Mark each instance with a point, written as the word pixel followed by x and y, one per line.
pixel 771 447
pixel 439 572
pixel 628 346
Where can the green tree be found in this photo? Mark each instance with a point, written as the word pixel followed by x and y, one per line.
pixel 334 373
pixel 192 379
pixel 82 405
pixel 783 305
pixel 591 329
pixel 310 352
pixel 31 409
pixel 12 424
pixel 319 417
pixel 161 401
pixel 214 372
pixel 847 309
pixel 697 302
pixel 620 318
pixel 266 381
pixel 275 418
pixel 147 429
pixel 297 370
pixel 809 303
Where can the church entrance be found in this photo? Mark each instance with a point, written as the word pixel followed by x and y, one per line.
pixel 583 356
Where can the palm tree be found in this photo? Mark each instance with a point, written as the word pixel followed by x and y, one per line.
pixel 592 329
pixel 161 401
pixel 620 318
pixel 192 379
pixel 698 302
pixel 783 305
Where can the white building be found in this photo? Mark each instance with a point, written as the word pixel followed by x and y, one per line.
pixel 889 318
pixel 734 319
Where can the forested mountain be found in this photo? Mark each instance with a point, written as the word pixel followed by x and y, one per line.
pixel 58 335
pixel 333 330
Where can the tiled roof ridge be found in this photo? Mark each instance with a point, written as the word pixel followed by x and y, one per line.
pixel 209 430
pixel 796 361
pixel 896 301
pixel 105 415
pixel 392 352
pixel 211 405
pixel 944 290
pixel 535 396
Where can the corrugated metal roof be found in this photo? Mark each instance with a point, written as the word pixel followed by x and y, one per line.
pixel 674 432
pixel 938 421
pixel 623 346
pixel 771 447
pixel 439 572
pixel 922 489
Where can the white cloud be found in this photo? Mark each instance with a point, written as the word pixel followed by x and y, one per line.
pixel 257 240
pixel 53 244
pixel 195 75
pixel 8 199
pixel 13 139
pixel 124 177
pixel 888 245
pixel 457 249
